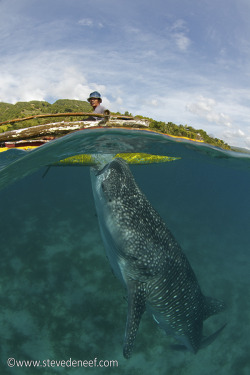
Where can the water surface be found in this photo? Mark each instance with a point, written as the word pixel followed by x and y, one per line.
pixel 59 298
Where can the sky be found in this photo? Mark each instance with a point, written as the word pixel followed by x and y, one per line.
pixel 184 61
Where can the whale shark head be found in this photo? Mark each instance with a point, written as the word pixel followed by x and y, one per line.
pixel 112 188
pixel 120 207
pixel 113 182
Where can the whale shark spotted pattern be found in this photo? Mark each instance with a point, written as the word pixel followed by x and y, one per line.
pixel 145 256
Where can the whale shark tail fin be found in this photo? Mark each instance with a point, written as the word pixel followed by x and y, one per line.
pixel 206 340
pixel 212 306
pixel 209 339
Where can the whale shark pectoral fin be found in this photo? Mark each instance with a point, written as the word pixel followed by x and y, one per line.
pixel 136 308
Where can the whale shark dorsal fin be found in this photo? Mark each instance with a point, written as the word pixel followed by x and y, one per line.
pixel 136 307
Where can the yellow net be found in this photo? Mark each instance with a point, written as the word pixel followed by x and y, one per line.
pixel 130 158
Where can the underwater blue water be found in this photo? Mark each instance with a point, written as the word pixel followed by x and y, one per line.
pixel 59 298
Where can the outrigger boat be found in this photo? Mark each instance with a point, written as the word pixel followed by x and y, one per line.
pixel 36 136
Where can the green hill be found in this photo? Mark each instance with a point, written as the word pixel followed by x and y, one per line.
pixel 34 107
pixel 188 132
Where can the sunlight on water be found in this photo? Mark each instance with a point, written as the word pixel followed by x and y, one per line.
pixel 59 298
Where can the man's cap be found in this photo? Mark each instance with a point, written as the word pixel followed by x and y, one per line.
pixel 95 95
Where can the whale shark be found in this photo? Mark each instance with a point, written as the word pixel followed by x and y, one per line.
pixel 147 259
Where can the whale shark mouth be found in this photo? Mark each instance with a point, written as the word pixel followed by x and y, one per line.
pixel 99 172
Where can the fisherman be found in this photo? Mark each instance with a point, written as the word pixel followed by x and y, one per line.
pixel 95 101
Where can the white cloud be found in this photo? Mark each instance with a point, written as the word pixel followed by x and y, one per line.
pixel 237 137
pixel 179 32
pixel 43 76
pixel 182 41
pixel 86 22
pixel 205 108
pixel 236 133
pixel 119 101
pixel 247 142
